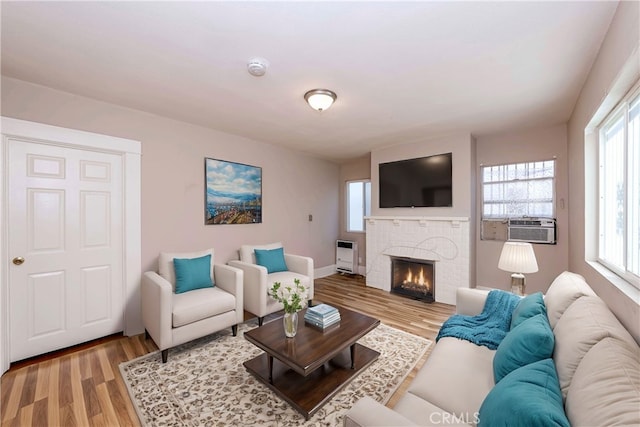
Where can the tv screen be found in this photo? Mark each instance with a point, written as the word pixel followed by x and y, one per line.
pixel 414 183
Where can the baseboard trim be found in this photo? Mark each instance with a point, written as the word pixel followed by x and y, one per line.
pixel 324 271
pixel 331 269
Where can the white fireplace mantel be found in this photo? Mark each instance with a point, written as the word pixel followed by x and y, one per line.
pixel 445 240
pixel 418 218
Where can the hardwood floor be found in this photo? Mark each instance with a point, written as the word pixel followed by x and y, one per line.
pixel 82 386
pixel 415 317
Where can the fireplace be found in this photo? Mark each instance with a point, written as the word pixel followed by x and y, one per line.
pixel 413 278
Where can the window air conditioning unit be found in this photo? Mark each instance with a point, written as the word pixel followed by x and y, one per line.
pixel 347 256
pixel 532 230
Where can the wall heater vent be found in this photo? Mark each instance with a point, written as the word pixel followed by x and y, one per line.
pixel 347 256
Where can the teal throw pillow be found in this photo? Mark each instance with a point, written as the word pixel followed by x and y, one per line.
pixel 272 259
pixel 528 396
pixel 528 307
pixel 192 273
pixel 530 341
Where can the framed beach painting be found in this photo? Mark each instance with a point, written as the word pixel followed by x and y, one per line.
pixel 233 193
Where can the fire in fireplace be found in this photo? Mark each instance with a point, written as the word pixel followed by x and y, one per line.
pixel 413 278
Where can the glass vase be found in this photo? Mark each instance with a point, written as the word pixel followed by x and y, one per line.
pixel 290 321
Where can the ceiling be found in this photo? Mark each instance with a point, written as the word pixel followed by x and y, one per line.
pixel 403 71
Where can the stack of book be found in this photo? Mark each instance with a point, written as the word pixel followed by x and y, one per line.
pixel 322 316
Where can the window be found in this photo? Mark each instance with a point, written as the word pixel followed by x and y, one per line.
pixel 518 190
pixel 619 190
pixel 358 204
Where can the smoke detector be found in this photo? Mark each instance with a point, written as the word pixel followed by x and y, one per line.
pixel 257 66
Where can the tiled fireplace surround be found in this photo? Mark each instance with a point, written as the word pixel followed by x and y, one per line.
pixel 444 240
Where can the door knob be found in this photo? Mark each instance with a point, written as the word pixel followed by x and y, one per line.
pixel 18 260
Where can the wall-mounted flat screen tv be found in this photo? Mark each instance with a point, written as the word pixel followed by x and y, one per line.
pixel 416 183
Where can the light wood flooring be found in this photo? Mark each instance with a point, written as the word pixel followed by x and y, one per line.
pixel 81 386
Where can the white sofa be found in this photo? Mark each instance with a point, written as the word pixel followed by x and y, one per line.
pixel 597 361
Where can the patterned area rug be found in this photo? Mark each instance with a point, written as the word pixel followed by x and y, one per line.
pixel 205 384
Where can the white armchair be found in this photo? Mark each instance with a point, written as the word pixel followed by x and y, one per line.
pixel 257 280
pixel 172 318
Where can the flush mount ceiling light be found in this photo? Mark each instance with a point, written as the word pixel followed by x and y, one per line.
pixel 320 99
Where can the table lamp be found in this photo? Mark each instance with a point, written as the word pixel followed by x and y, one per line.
pixel 518 258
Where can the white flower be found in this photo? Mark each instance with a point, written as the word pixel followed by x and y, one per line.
pixel 293 298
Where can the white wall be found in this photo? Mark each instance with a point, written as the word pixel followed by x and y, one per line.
pixel 294 184
pixel 526 146
pixel 461 147
pixel 614 71
pixel 353 170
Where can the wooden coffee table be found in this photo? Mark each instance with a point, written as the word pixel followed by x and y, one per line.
pixel 310 368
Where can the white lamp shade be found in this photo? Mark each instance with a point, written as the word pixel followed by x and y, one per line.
pixel 320 99
pixel 518 257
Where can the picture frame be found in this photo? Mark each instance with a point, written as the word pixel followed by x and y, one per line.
pixel 233 193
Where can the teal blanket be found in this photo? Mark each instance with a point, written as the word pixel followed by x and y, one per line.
pixel 487 328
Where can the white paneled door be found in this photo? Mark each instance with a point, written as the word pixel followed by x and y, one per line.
pixel 65 217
